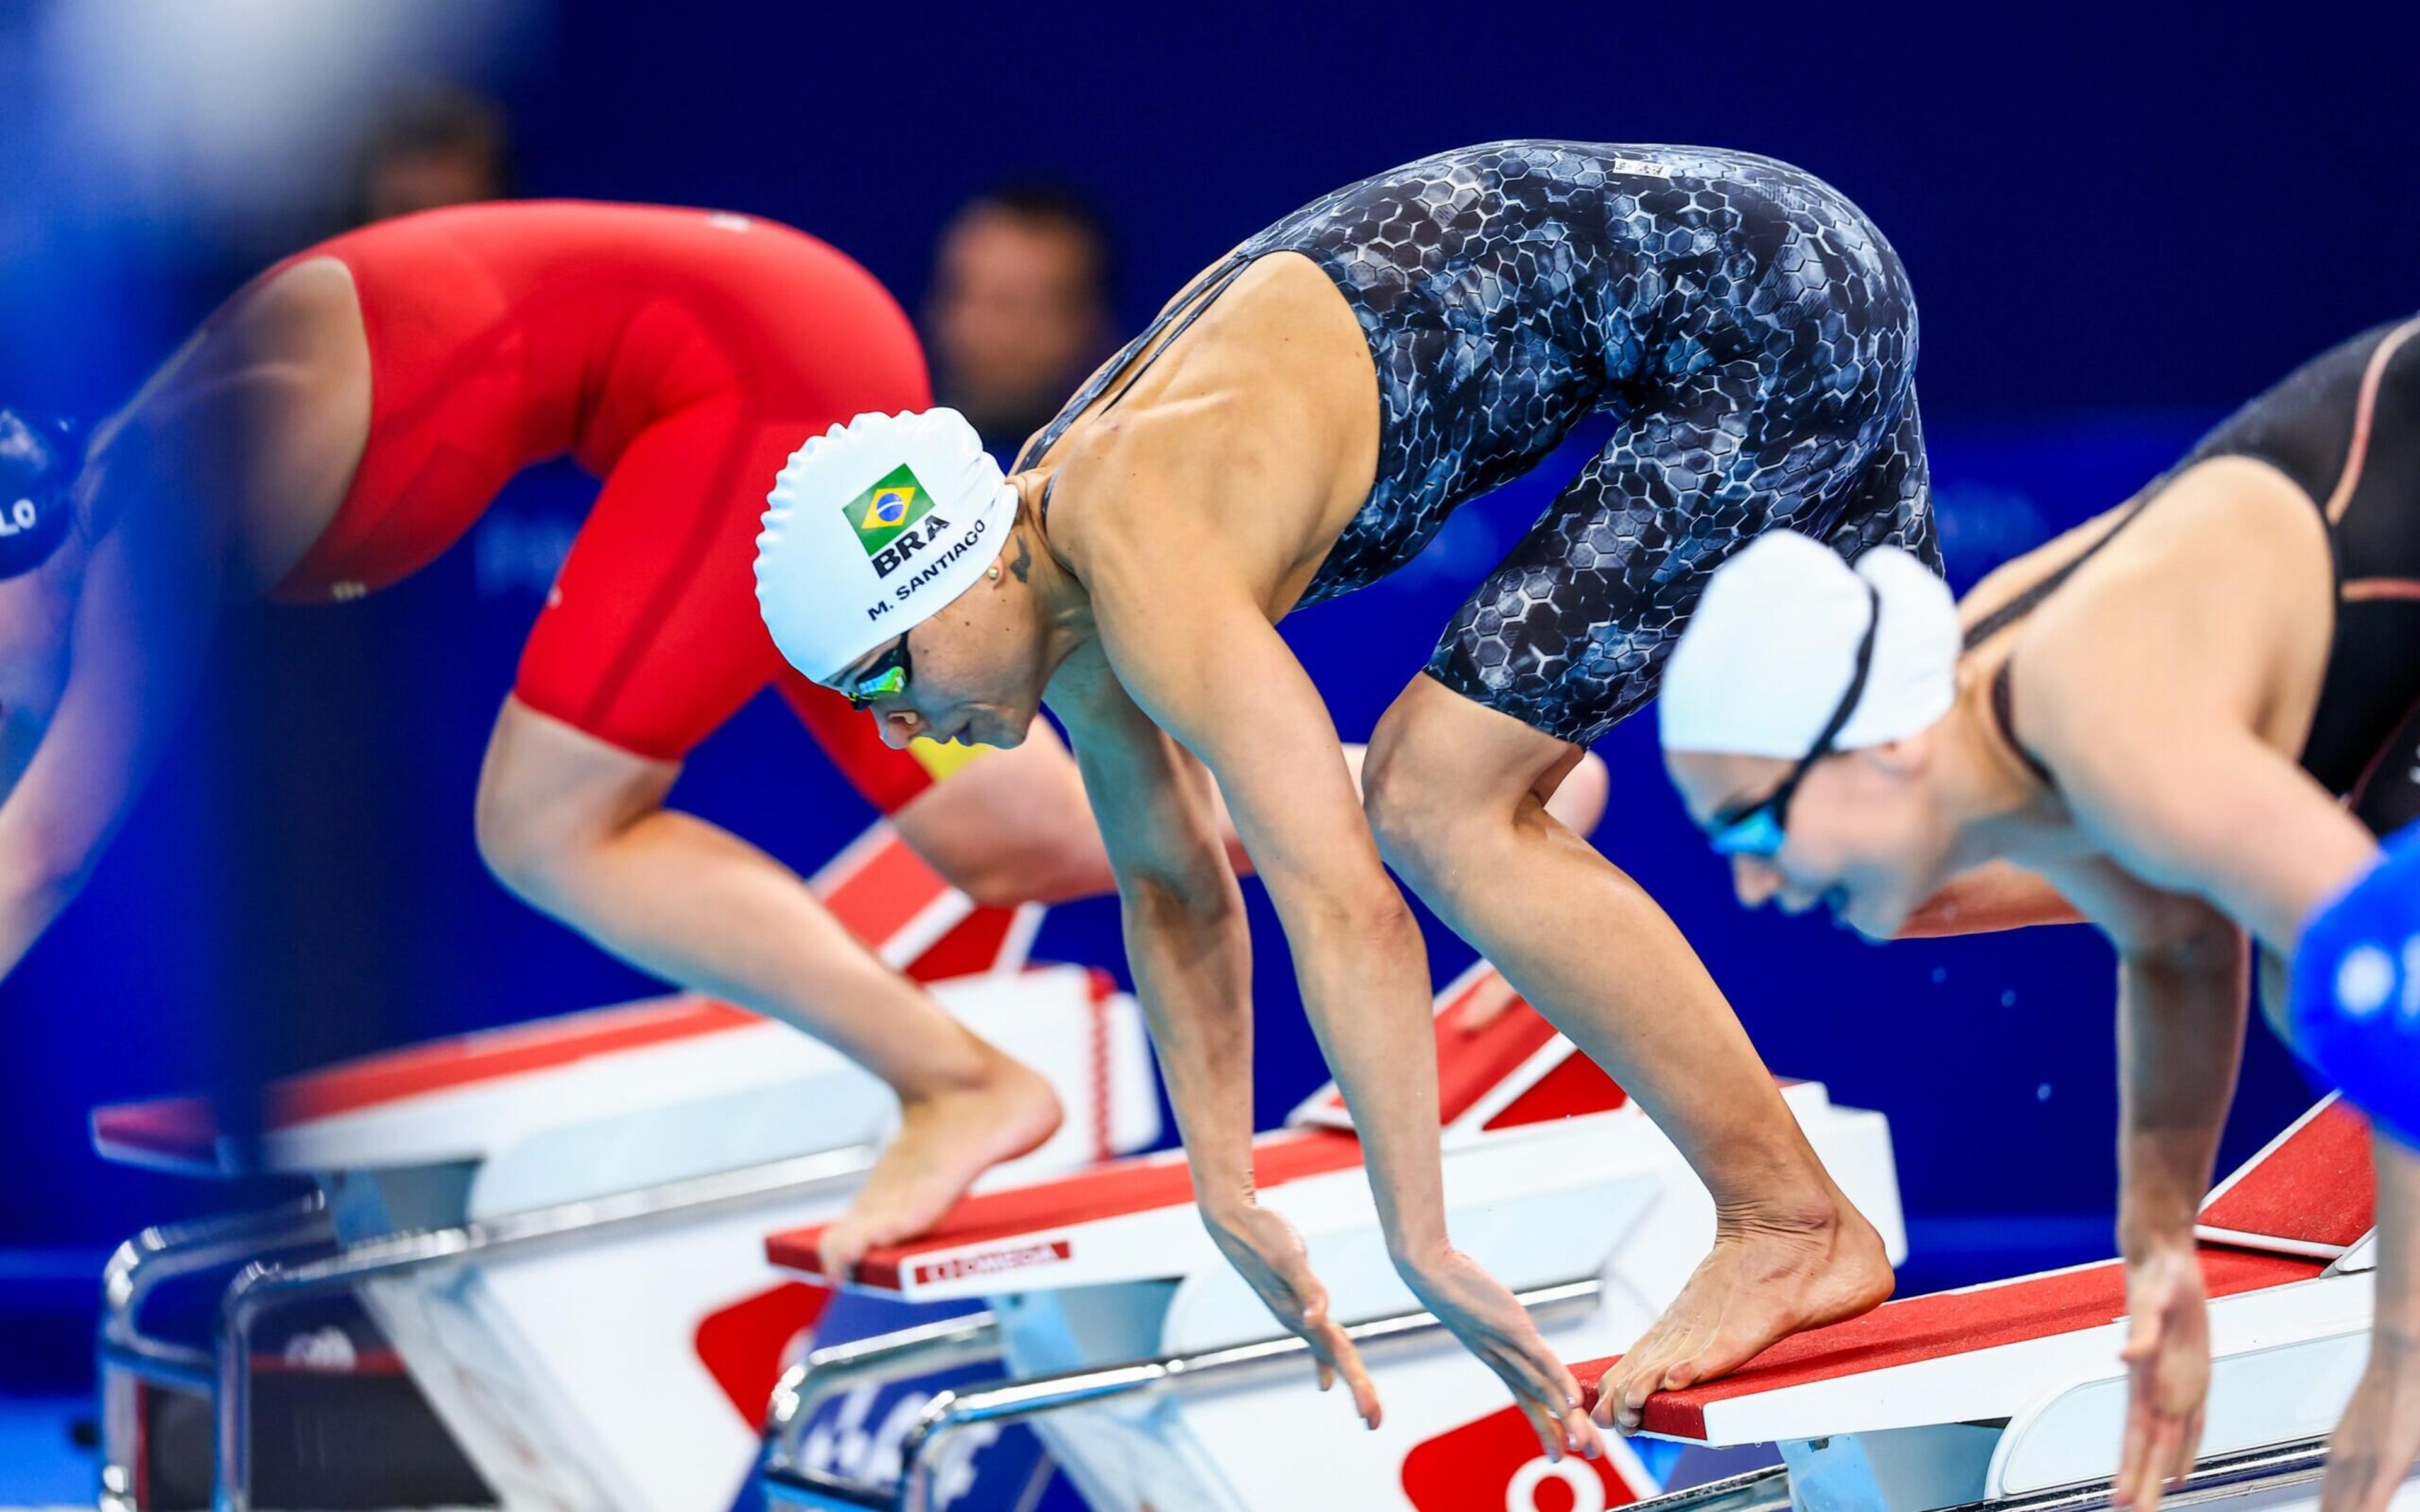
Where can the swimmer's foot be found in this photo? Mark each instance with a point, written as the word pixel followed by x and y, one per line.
pixel 945 1141
pixel 1768 1276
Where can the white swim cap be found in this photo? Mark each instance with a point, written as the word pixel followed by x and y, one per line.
pixel 874 526
pixel 1773 646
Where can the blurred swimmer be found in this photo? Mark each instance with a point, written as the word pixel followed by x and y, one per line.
pixel 348 416
pixel 2191 717
pixel 1297 425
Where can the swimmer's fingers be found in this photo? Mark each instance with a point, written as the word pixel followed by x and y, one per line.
pixel 2168 1369
pixel 1490 1321
pixel 1336 1356
pixel 1551 1402
pixel 1267 1253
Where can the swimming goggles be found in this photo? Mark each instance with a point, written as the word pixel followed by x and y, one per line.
pixel 886 679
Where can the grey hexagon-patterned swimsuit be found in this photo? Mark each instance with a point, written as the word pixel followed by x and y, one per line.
pixel 1747 328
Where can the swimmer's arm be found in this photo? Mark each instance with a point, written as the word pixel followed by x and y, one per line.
pixel 2181 979
pixel 2180 993
pixel 2201 806
pixel 2146 717
pixel 1187 941
pixel 139 632
pixel 1200 658
pixel 2210 836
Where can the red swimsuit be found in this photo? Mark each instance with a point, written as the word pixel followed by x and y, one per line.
pixel 682 356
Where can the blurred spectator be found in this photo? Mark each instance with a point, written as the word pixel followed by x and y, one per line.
pixel 1020 306
pixel 441 146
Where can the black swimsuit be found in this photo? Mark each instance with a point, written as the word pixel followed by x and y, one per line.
pixel 1749 329
pixel 2345 428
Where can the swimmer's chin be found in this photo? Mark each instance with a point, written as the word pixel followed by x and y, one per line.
pixel 1875 926
pixel 996 728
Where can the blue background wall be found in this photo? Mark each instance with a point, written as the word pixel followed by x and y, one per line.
pixel 2118 225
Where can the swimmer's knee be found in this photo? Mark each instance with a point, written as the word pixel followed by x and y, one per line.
pixel 526 838
pixel 552 795
pixel 1407 805
pixel 513 847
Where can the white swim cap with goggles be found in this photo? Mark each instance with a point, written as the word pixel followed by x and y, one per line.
pixel 873 528
pixel 1792 653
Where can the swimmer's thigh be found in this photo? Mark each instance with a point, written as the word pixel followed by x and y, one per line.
pixel 1569 632
pixel 1891 502
pixel 651 638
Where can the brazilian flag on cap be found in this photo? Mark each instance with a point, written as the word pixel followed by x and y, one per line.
pixel 883 513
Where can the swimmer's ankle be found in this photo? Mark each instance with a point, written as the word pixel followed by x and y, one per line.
pixel 1806 1213
pixel 979 1068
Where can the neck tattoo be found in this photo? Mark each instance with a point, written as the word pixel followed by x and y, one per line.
pixel 1024 562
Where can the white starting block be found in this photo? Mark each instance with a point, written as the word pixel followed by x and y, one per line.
pixel 2010 1395
pixel 559 1225
pixel 1151 1373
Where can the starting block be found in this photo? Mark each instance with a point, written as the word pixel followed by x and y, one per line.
pixel 557 1227
pixel 2010 1395
pixel 1158 1380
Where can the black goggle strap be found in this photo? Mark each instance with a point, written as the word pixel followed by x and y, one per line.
pixel 1849 701
pixel 1841 714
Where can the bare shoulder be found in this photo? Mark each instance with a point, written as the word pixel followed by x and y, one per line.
pixel 2229 509
pixel 1239 452
pixel 2004 583
pixel 2230 551
pixel 2215 606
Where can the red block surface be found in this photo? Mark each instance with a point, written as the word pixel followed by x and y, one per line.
pixel 1945 1323
pixel 1577 1085
pixel 2316 1187
pixel 884 892
pixel 973 946
pixel 1113 1190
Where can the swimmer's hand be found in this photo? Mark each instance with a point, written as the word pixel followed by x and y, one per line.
pixel 1267 1253
pixel 2373 1447
pixel 1490 1321
pixel 2168 1366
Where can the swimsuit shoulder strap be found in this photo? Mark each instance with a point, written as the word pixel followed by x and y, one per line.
pixel 1170 324
pixel 2004 713
pixel 2003 700
pixel 2031 599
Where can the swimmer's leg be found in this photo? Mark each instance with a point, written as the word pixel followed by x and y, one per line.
pixel 1891 504
pixel 651 640
pixel 1563 639
pixel 1455 793
pixel 578 828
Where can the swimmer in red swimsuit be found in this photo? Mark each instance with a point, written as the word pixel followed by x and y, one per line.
pixel 348 416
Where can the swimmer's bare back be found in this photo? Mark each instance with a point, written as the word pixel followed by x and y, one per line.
pixel 1250 435
pixel 260 420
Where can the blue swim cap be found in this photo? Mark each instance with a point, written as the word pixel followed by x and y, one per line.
pixel 37 464
pixel 2355 1013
